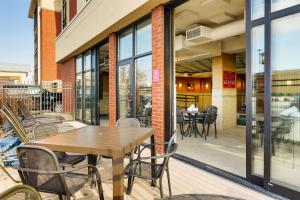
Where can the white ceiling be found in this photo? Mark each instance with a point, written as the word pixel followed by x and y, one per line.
pixel 196 58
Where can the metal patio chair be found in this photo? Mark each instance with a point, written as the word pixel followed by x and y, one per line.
pixel 19 191
pixel 64 158
pixel 208 119
pixel 29 118
pixel 141 167
pixel 39 168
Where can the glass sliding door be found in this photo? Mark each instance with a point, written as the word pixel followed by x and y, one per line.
pixel 285 105
pixel 275 97
pixel 86 87
pixel 257 77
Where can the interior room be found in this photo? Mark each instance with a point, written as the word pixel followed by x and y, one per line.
pixel 210 71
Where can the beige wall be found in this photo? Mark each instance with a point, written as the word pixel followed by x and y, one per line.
pixel 18 76
pixel 54 5
pixel 96 21
pixel 80 5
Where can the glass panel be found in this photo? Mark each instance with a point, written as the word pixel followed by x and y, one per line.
pixel 125 44
pixel 78 64
pixel 257 68
pixel 87 96
pixel 285 133
pixel 78 96
pixel 125 97
pixel 257 9
pixel 87 60
pixel 281 4
pixel 144 90
pixel 103 85
pixel 93 87
pixel 143 37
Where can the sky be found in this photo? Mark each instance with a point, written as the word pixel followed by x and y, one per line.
pixel 16 32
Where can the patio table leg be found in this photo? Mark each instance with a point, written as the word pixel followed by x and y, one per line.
pixel 118 177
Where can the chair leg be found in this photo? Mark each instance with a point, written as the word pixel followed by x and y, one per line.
pixel 169 181
pixel 100 189
pixel 60 197
pixel 161 188
pixel 130 184
pixel 216 130
pixel 208 125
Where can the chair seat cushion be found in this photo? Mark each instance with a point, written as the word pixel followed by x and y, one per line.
pixel 75 181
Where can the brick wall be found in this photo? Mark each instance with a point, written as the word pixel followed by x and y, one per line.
pixel 112 79
pixel 158 64
pixel 72 9
pixel 67 70
pixel 50 26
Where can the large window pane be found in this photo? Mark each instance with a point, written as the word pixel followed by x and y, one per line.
pixel 257 9
pixel 87 60
pixel 78 64
pixel 281 4
pixel 87 96
pixel 125 97
pixel 285 105
pixel 143 37
pixel 257 69
pixel 144 90
pixel 125 45
pixel 78 109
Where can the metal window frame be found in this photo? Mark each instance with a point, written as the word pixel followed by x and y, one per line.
pixel 131 61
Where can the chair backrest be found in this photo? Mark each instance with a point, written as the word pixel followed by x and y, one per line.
pixel 19 192
pixel 17 126
pixel 24 110
pixel 211 114
pixel 128 123
pixel 42 131
pixel 35 161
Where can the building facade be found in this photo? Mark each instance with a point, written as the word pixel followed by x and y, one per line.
pixel 164 61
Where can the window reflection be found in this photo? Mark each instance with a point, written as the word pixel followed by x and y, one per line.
pixel 257 64
pixel 125 98
pixel 281 4
pixel 143 37
pixel 144 90
pixel 257 9
pixel 285 105
pixel 125 45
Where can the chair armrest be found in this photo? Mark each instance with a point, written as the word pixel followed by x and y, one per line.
pixel 8 174
pixel 150 145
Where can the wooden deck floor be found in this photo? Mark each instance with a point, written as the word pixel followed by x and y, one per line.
pixel 184 178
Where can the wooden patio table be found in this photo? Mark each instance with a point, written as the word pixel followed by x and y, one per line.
pixel 96 140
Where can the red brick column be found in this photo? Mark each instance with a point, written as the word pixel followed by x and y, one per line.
pixel 72 9
pixel 112 40
pixel 158 64
pixel 67 71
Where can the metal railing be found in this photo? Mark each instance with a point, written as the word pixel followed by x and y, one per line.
pixel 48 97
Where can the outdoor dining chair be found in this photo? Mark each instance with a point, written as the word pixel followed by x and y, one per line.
pixel 18 190
pixel 64 158
pixel 209 118
pixel 39 168
pixel 141 167
pixel 29 118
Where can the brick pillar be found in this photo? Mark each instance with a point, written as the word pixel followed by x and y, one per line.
pixel 158 64
pixel 72 9
pixel 112 40
pixel 67 71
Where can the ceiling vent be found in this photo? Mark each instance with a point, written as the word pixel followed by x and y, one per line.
pixel 198 34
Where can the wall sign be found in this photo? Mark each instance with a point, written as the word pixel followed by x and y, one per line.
pixel 228 79
pixel 155 76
